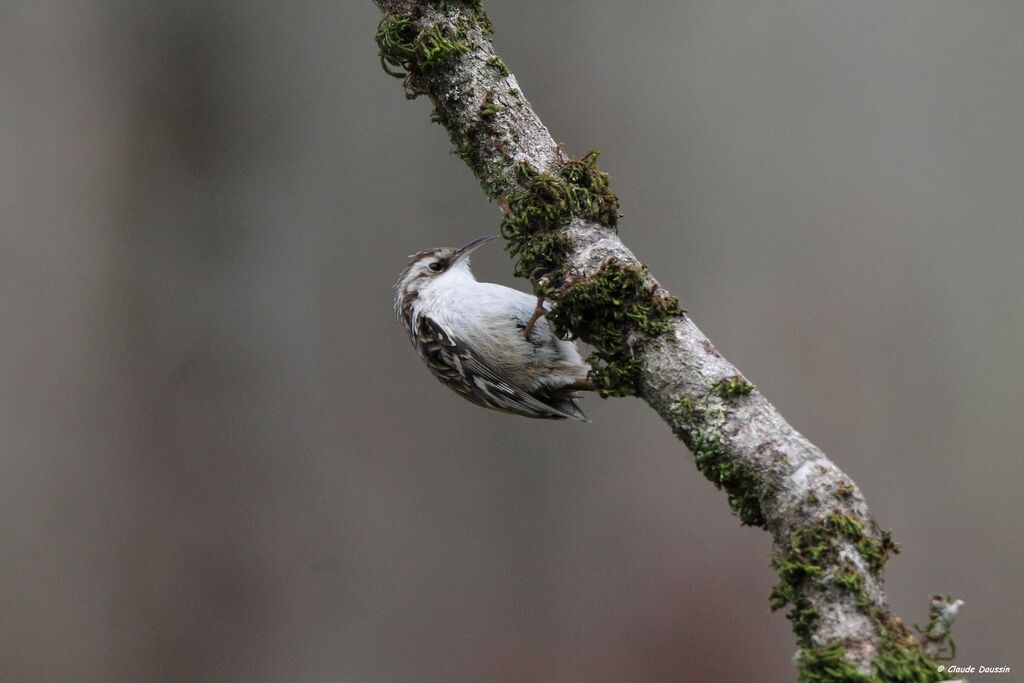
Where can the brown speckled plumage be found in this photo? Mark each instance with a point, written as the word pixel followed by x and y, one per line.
pixel 471 336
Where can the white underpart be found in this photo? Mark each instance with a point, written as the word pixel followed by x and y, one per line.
pixel 489 318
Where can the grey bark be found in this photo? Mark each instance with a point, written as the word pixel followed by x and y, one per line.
pixel 797 484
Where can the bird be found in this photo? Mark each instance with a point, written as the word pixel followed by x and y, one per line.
pixel 487 342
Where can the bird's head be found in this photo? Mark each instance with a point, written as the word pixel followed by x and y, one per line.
pixel 432 267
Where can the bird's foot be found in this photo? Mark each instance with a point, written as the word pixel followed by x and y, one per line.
pixel 537 313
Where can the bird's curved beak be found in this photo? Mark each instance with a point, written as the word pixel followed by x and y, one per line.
pixel 471 246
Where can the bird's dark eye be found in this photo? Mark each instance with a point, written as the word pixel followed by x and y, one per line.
pixel 435 266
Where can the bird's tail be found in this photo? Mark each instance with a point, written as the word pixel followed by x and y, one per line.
pixel 568 407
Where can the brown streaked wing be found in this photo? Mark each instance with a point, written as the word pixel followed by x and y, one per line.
pixel 457 365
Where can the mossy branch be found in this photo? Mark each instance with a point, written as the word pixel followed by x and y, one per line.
pixel 560 224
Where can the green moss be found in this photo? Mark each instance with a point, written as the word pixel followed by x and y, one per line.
pixel 903 661
pixel 434 49
pixel 602 205
pixel 828 664
pixel 490 109
pixel 805 558
pixel 844 491
pixel 482 20
pixel 403 46
pixel 605 310
pixel 396 42
pixel 849 579
pixel 616 378
pixel 845 525
pixel 545 203
pixel 498 65
pixel 541 256
pixel 877 549
pixel 416 52
pixel 700 423
pixel 808 556
pixel 896 663
pixel 732 386
pixel 740 483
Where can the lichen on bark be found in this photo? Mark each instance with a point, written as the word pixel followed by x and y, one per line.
pixel 560 220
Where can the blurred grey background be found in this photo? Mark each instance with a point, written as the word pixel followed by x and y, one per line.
pixel 221 460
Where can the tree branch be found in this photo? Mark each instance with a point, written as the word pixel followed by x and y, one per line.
pixel 937 636
pixel 560 223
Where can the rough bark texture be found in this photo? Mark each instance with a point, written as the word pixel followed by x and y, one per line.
pixel 560 221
